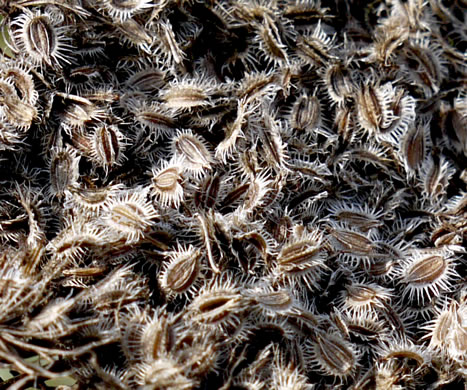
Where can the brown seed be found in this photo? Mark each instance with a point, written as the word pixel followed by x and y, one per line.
pixel 182 271
pixel 352 241
pixel 135 33
pixel 63 171
pixel 148 80
pixel 306 113
pixel 108 148
pixel 414 147
pixel 270 42
pixel 334 355
pixel 426 270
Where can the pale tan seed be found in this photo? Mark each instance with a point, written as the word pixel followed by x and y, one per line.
pixel 353 241
pixel 128 215
pixel 193 152
pixel 42 37
pixel 363 221
pixel 297 255
pixel 216 306
pixel 185 97
pixel 107 146
pixel 167 180
pixel 427 270
pixel 274 300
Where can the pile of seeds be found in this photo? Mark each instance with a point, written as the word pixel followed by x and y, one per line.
pixel 240 194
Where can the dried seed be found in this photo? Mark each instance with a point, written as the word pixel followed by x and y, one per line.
pixel 41 39
pixel 187 94
pixel 13 110
pixel 108 146
pixel 122 10
pixel 180 274
pixel 414 147
pixel 218 306
pixel 316 48
pixel 338 82
pixel 306 113
pixel 63 171
pixel 270 42
pixel 301 259
pixel 426 274
pixel 333 355
pixel 168 45
pixel 129 214
pixel 147 81
pixel 360 297
pixel 166 183
pixel 194 154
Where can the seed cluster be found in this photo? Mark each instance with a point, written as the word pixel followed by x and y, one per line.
pixel 242 194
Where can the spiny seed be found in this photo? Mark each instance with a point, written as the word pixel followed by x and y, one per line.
pixel 193 152
pixel 274 300
pixel 182 272
pixel 353 241
pixel 185 96
pixel 426 270
pixel 370 108
pixel 63 171
pixel 306 113
pixel 166 184
pixel 334 355
pixel 414 147
pixel 108 149
pixel 40 39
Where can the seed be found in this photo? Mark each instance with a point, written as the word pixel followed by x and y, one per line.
pixel 207 195
pixel 168 45
pixel 14 111
pixel 361 217
pixel 414 147
pixel 180 274
pixel 301 259
pixel 315 48
pixel 436 176
pixel 136 34
pixel 257 87
pixel 130 214
pixel 185 95
pixel 338 82
pixel 425 274
pixel 63 171
pixel 122 10
pixel 364 297
pixel 23 82
pixel 193 152
pixel 373 109
pixel 270 42
pixel 148 80
pixel 306 113
pixel 352 242
pixel 38 36
pixel 333 355
pixel 166 183
pixel 108 146
pixel 218 306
